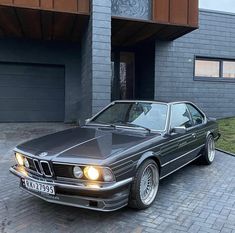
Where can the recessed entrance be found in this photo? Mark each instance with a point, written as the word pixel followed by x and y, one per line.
pixel 133 72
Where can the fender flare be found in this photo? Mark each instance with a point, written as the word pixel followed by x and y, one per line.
pixel 147 155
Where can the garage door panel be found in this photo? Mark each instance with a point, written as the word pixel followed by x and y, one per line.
pixel 26 80
pixel 32 116
pixel 30 93
pixel 21 69
pixel 30 105
pixel 34 93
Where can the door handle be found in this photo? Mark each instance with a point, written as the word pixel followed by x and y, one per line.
pixel 194 135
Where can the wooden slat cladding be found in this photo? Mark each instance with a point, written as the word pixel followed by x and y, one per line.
pixel 83 6
pixel 177 12
pixel 193 13
pixel 66 5
pixel 27 3
pixel 70 6
pixel 47 4
pixel 161 10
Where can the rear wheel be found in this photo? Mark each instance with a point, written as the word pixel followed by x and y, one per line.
pixel 145 185
pixel 208 154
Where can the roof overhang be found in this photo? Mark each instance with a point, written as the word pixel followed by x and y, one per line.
pixel 127 32
pixel 19 22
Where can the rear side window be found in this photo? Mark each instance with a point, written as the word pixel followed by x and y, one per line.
pixel 180 116
pixel 197 116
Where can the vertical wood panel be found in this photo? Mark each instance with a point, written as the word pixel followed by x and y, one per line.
pixel 179 11
pixel 193 13
pixel 66 5
pixel 6 1
pixel 161 10
pixel 46 4
pixel 73 6
pixel 83 6
pixel 28 3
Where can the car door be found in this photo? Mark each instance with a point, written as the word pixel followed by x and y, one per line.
pixel 180 146
pixel 198 129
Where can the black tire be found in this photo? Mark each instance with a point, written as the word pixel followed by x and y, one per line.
pixel 206 158
pixel 135 200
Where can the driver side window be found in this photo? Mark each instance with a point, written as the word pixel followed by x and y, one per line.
pixel 180 116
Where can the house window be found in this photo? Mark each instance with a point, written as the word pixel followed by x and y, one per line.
pixel 214 69
pixel 206 68
pixel 229 69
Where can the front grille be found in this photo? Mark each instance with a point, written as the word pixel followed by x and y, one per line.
pixel 46 168
pixel 31 164
pixel 37 166
pixel 42 168
pixel 63 170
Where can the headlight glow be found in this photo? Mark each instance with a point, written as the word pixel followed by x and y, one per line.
pixel 19 159
pixel 91 173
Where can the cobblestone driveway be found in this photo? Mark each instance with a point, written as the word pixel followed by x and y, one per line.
pixel 194 199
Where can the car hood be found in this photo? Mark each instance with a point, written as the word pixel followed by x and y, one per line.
pixel 85 142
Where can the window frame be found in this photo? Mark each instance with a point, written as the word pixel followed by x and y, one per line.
pixel 221 69
pixel 203 115
pixel 171 115
pixel 89 120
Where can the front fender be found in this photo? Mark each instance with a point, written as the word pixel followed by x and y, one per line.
pixel 149 155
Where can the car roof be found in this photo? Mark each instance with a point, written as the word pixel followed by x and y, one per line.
pixel 150 101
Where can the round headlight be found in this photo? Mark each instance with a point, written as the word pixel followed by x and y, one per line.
pixel 91 173
pixel 108 175
pixel 19 159
pixel 77 172
pixel 26 162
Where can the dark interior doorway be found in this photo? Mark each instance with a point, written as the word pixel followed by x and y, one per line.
pixel 133 72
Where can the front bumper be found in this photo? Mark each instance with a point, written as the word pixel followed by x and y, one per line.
pixel 95 196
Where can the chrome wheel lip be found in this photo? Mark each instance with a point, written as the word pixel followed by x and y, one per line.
pixel 149 184
pixel 211 149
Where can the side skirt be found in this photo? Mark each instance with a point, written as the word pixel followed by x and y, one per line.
pixel 180 167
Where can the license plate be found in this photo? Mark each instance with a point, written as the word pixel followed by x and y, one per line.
pixel 40 187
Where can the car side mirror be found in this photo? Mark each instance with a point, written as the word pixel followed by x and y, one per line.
pixel 87 121
pixel 179 130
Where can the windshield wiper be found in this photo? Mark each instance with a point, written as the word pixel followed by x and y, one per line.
pixel 139 126
pixel 103 124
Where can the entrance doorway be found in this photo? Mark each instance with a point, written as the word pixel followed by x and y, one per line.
pixel 123 75
pixel 133 72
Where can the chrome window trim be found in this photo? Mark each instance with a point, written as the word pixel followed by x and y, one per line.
pixel 188 102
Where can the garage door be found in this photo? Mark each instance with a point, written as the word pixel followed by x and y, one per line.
pixel 31 93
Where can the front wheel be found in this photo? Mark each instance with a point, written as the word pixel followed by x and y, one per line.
pixel 208 154
pixel 145 185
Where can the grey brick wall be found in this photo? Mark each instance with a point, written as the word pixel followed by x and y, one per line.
pixel 174 65
pixel 96 59
pixel 57 53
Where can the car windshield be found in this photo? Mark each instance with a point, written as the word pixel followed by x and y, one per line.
pixel 134 114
